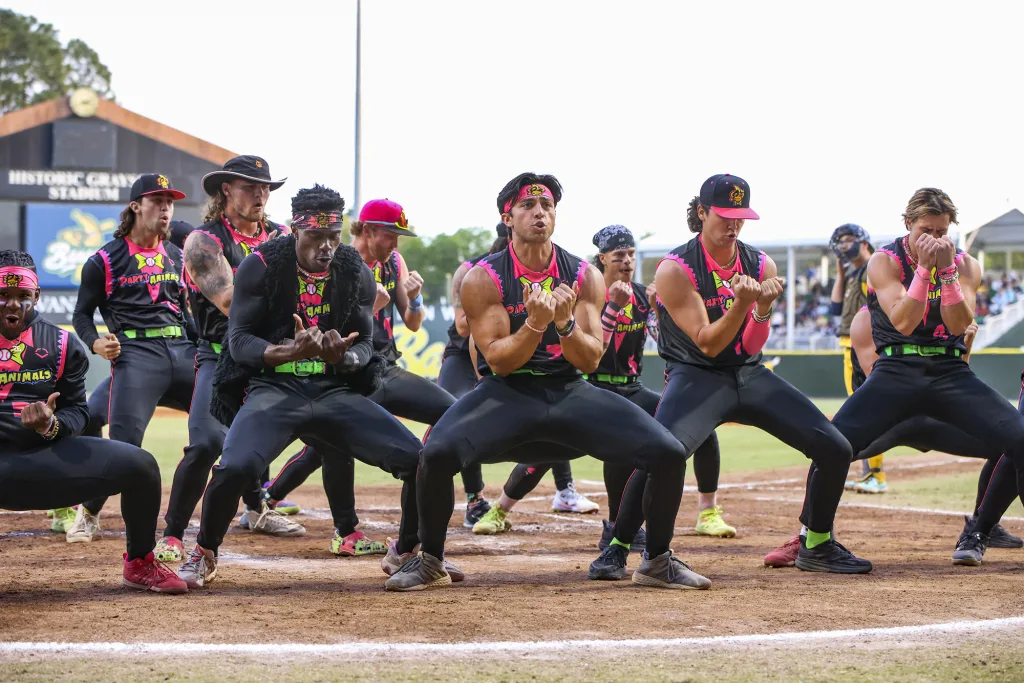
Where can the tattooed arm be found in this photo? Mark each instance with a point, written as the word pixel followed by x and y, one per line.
pixel 207 267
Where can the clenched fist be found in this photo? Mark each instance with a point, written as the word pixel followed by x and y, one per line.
pixel 927 248
pixel 540 307
pixel 36 416
pixel 107 346
pixel 771 289
pixel 565 302
pixel 620 292
pixel 413 284
pixel 746 289
pixel 945 252
pixel 382 300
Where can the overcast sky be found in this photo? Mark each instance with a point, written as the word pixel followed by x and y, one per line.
pixel 832 115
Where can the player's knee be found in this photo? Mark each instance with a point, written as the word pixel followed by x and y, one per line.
pixel 829 448
pixel 240 469
pixel 440 454
pixel 205 448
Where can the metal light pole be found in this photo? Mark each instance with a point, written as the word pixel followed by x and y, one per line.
pixel 355 192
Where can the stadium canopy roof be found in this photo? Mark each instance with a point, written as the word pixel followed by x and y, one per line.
pixel 1005 233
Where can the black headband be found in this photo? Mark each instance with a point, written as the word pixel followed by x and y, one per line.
pixel 613 237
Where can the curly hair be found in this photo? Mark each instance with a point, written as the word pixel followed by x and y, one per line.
pixel 317 198
pixel 512 187
pixel 693 221
pixel 19 259
pixel 127 223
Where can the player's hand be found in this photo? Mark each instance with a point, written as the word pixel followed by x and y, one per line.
pixel 413 284
pixel 334 346
pixel 308 343
pixel 36 416
pixel 382 300
pixel 746 289
pixel 565 302
pixel 620 292
pixel 107 346
pixel 970 333
pixel 540 306
pixel 771 289
pixel 927 248
pixel 945 252
pixel 651 293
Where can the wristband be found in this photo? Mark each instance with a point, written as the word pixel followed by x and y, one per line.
pixel 51 432
pixel 569 328
pixel 759 319
pixel 951 294
pixel 947 275
pixel 416 305
pixel 527 323
pixel 918 290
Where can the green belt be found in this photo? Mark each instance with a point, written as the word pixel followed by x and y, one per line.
pixel 915 350
pixel 612 379
pixel 303 368
pixel 169 331
pixel 528 371
pixel 216 347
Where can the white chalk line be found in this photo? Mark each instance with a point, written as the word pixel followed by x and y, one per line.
pixel 352 650
pixel 893 508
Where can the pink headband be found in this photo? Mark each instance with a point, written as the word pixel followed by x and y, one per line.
pixel 534 190
pixel 16 276
pixel 323 220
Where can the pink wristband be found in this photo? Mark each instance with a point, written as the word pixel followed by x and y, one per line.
pixel 951 294
pixel 919 285
pixel 609 318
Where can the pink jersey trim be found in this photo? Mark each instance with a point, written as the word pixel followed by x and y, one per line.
pixel 893 254
pixel 686 269
pixel 762 259
pixel 494 276
pixel 63 352
pixel 107 271
pixel 581 274
pixel 214 237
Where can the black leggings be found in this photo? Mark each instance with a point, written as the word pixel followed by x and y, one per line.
pixel 503 416
pixel 698 399
pixel 79 467
pixel 404 394
pixel 339 424
pixel 146 372
pixel 1003 486
pixel 706 460
pixel 946 389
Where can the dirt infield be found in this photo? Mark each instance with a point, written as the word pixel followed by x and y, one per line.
pixel 534 577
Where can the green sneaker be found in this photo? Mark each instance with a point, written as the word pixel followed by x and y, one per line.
pixel 356 544
pixel 63 518
pixel 871 484
pixel 494 522
pixel 169 549
pixel 710 523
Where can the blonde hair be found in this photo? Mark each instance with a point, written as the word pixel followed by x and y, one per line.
pixel 355 228
pixel 930 201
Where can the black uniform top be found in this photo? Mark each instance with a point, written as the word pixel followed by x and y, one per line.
pixel 511 276
pixel 134 288
pixel 456 342
pixel 387 274
pixel 43 359
pixel 712 283
pixel 211 324
pixel 930 331
pixel 250 304
pixel 855 297
pixel 625 353
pixel 180 230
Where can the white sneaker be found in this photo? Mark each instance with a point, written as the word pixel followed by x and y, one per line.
pixel 199 568
pixel 568 500
pixel 86 527
pixel 271 522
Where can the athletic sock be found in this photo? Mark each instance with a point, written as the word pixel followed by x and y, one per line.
pixel 815 539
pixel 471 497
pixel 616 541
pixel 803 531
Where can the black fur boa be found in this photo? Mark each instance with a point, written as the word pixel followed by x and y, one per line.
pixel 231 380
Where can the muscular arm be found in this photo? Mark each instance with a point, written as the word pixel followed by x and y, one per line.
pixel 862 342
pixel 209 270
pixel 363 348
pixel 957 317
pixel 686 307
pixel 247 310
pixel 585 346
pixel 473 358
pixel 489 324
pixel 72 408
pixel 885 277
pixel 413 321
pixel 461 324
pixel 91 295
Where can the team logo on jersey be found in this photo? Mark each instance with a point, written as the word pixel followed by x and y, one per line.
pixel 311 300
pixel 246 249
pixel 154 263
pixel 737 194
pixel 11 360
pixel 723 294
pixel 162 181
pixel 547 284
pixel 151 272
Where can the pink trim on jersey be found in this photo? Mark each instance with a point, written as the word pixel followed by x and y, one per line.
pixel 398 265
pixel 959 257
pixel 260 256
pixel 467 265
pixel 893 254
pixel 214 237
pixel 134 249
pixel 686 269
pixel 63 352
pixel 107 271
pixel 864 307
pixel 713 266
pixel 494 276
pixel 519 269
pixel 762 259
pixel 581 274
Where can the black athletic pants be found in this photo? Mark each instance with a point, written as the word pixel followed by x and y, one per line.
pixel 698 399
pixel 504 414
pixel 1003 487
pixel 945 388
pixel 146 372
pixel 338 423
pixel 404 394
pixel 75 468
pixel 706 459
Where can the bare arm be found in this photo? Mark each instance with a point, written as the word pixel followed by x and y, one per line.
pixel 490 327
pixel 461 324
pixel 209 270
pixel 585 346
pixel 473 356
pixel 862 341
pixel 412 320
pixel 885 277
pixel 958 316
pixel 839 286
pixel 686 307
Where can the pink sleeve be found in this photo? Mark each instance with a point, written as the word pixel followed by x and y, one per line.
pixel 755 334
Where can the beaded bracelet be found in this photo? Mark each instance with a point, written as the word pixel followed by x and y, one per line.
pixel 527 323
pixel 945 279
pixel 766 318
pixel 51 432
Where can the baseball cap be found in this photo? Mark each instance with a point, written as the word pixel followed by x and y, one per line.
pixel 386 214
pixel 728 196
pixel 154 183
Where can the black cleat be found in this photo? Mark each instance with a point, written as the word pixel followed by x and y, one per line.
pixel 610 565
pixel 475 509
pixel 998 537
pixel 970 549
pixel 639 544
pixel 830 556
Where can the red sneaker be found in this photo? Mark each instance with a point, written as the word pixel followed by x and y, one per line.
pixel 149 574
pixel 784 555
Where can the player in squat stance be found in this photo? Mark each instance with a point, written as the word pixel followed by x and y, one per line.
pixel 537 339
pixel 43 461
pixel 714 298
